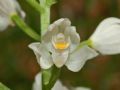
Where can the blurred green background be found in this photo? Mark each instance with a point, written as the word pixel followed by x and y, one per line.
pixel 18 64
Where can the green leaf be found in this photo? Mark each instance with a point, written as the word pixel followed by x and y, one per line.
pixel 3 87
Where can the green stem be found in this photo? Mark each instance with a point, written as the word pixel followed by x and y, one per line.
pixel 44 22
pixel 25 28
pixel 55 75
pixel 49 77
pixel 35 5
pixel 44 17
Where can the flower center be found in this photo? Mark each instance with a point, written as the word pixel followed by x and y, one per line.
pixel 61 45
pixel 60 42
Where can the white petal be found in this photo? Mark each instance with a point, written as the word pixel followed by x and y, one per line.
pixel 18 9
pixel 74 37
pixel 58 86
pixel 82 88
pixel 4 22
pixel 43 56
pixel 78 58
pixel 64 24
pixel 53 29
pixel 105 24
pixel 47 37
pixel 60 59
pixel 106 38
pixel 57 27
pixel 36 48
pixel 60 23
pixel 8 6
pixel 11 6
pixel 37 85
pixel 46 62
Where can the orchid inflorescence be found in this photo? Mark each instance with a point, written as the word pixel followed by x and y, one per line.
pixel 60 43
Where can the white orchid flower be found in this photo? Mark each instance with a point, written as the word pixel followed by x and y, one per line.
pixel 106 38
pixel 7 8
pixel 37 85
pixel 59 45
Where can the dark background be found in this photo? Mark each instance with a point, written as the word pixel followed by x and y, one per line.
pixel 18 64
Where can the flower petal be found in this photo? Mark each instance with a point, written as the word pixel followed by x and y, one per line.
pixel 105 24
pixel 64 24
pixel 60 58
pixel 56 27
pixel 106 38
pixel 37 85
pixel 8 6
pixel 78 58
pixel 82 88
pixel 74 37
pixel 58 86
pixel 43 56
pixel 19 10
pixel 4 22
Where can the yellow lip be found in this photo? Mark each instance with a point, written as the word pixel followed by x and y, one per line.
pixel 62 45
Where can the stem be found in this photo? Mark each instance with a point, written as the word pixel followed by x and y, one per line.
pixel 46 75
pixel 44 22
pixel 24 27
pixel 45 17
pixel 55 75
pixel 35 5
pixel 49 77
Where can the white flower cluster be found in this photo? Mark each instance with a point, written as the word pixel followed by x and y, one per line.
pixel 59 44
pixel 7 8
